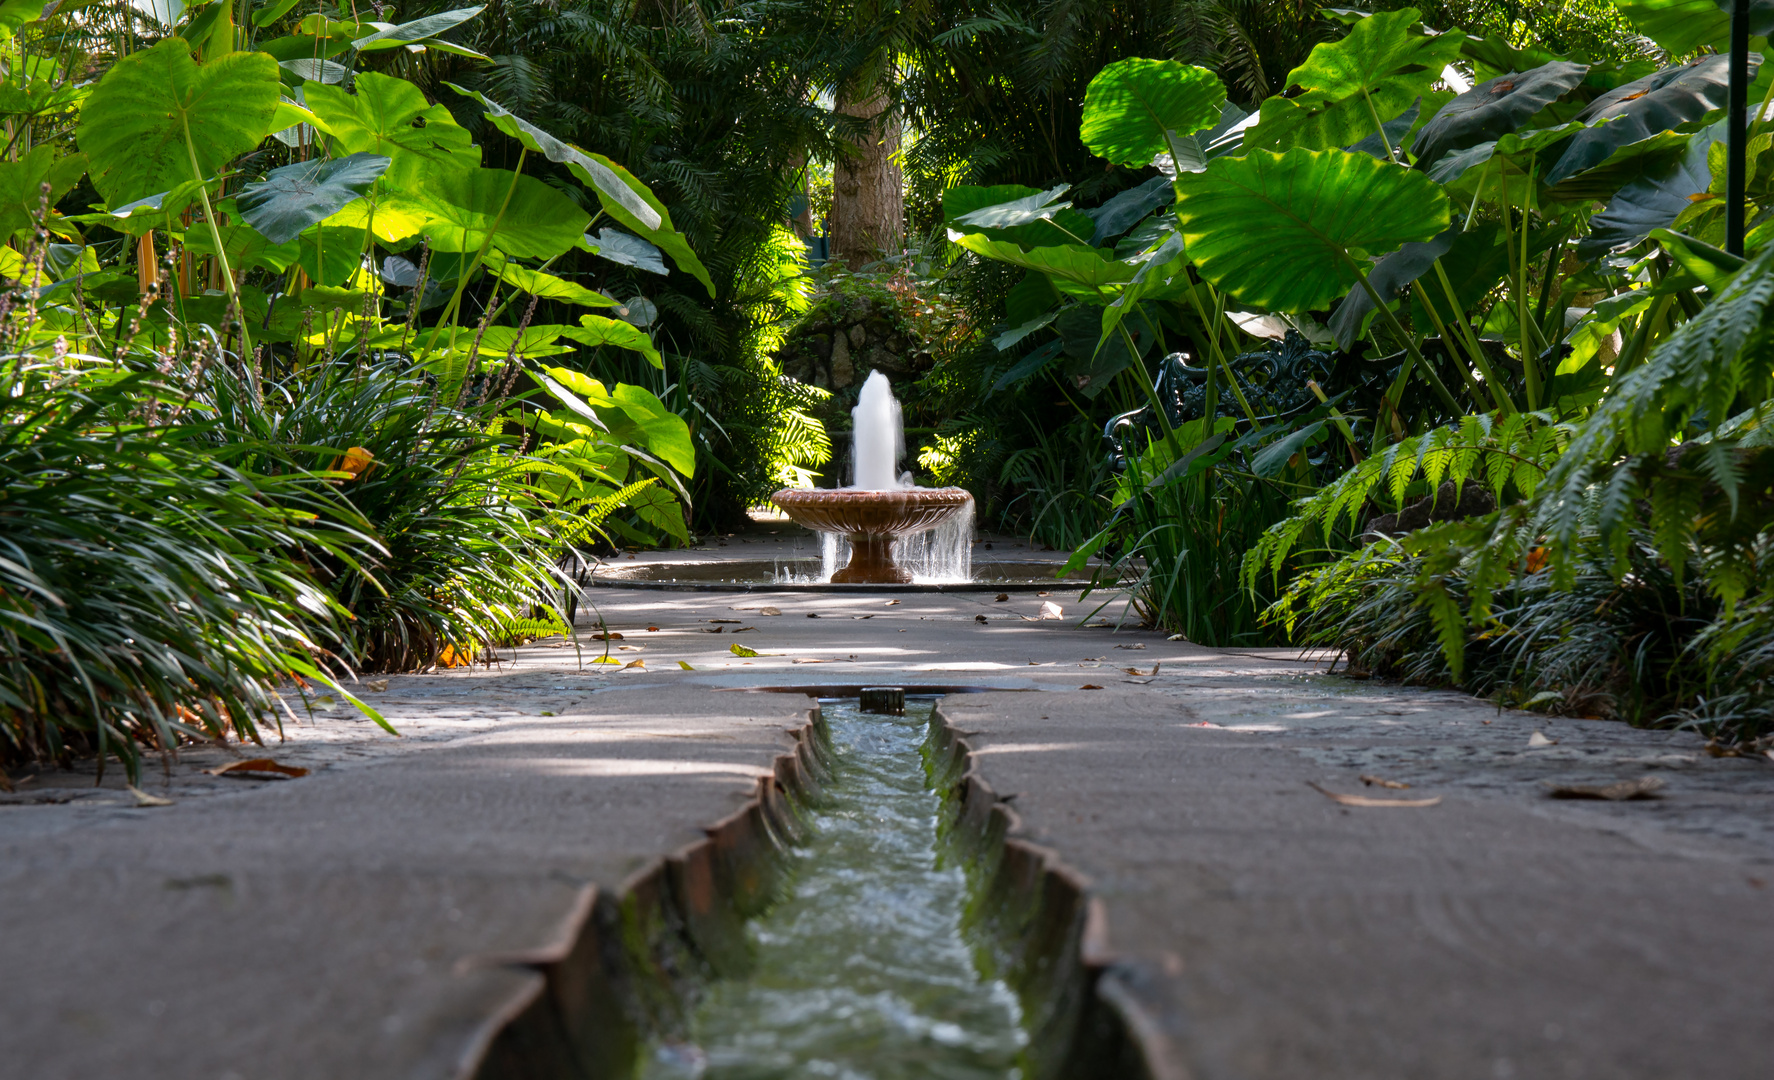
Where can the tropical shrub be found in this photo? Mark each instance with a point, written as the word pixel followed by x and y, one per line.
pixel 274 299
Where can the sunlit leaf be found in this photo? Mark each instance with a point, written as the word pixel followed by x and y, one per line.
pixel 1131 106
pixel 135 123
pixel 1285 231
pixel 294 197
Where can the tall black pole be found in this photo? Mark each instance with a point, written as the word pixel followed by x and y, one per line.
pixel 1736 136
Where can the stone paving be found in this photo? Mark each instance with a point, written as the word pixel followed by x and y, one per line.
pixel 358 921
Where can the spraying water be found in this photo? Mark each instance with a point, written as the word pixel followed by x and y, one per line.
pixel 878 434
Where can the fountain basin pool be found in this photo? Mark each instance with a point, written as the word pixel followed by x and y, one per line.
pixel 725 575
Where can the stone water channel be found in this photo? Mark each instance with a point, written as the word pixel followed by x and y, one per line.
pixel 862 970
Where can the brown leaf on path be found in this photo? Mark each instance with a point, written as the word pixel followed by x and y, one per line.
pixel 1043 593
pixel 979 618
pixel 612 636
pixel 652 629
pixel 145 799
pixel 714 629
pixel 1003 596
pixel 262 768
pixel 1365 800
pixel 1090 686
pixel 1644 787
pixel 376 685
pixel 870 615
pixel 890 603
pixel 813 614
pixel 639 665
pixel 743 629
pixel 1140 645
pixel 726 620
pixel 769 611
pixel 1374 781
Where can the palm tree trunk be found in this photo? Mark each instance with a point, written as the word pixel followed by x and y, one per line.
pixel 868 192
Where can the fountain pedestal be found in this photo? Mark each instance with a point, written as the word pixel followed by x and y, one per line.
pixel 871 521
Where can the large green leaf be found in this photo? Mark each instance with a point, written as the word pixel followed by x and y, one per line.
pixel 1640 109
pixel 1376 72
pixel 526 218
pixel 1681 26
pixel 595 330
pixel 1494 108
pixel 590 171
pixel 625 250
pixel 1654 200
pixel 296 196
pixel 418 30
pixel 547 286
pixel 245 247
pixel 1286 231
pixel 391 117
pixel 663 236
pixel 329 254
pixel 21 185
pixel 135 123
pixel 1131 105
pixel 1074 269
pixel 1065 226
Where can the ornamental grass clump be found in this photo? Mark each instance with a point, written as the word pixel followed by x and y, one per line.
pixel 147 591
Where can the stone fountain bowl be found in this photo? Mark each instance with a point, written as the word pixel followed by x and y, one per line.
pixel 871 520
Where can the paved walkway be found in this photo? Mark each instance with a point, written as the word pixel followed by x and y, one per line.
pixel 353 922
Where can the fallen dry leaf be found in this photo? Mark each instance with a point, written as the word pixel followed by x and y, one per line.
pixel 1090 686
pixel 1645 787
pixel 769 611
pixel 376 685
pixel 813 614
pixel 714 629
pixel 1137 671
pixel 743 629
pixel 1364 800
pixel 262 768
pixel 979 618
pixel 685 665
pixel 740 650
pixel 890 603
pixel 1537 739
pixel 628 648
pixel 1003 596
pixel 1044 593
pixel 1141 645
pixel 870 615
pixel 145 799
pixel 1051 610
pixel 1374 781
pixel 640 665
pixel 613 636
pixel 1174 637
pixel 726 620
pixel 652 629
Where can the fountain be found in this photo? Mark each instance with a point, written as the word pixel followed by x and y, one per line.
pixel 883 505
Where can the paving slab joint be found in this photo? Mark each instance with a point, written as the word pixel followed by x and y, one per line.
pixel 1047 936
pixel 629 964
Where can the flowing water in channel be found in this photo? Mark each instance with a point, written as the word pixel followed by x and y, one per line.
pixel 861 973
